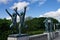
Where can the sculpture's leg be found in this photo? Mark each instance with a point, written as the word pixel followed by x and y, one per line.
pixel 11 25
pixel 20 28
pixel 51 29
pixel 46 28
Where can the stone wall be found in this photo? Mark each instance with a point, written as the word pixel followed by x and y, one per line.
pixel 44 36
pixel 56 34
pixel 39 37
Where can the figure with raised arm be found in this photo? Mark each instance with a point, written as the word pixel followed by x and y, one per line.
pixel 14 19
pixel 21 16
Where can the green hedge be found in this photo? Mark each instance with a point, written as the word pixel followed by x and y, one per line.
pixel 35 32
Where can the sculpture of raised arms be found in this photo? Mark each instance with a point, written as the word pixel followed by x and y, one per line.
pixel 16 11
pixel 13 17
pixel 21 16
pixel 24 13
pixel 8 13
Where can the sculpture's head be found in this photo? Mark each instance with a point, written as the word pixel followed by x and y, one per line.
pixel 14 14
pixel 21 13
pixel 15 9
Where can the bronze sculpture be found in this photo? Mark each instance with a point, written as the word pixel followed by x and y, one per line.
pixel 13 17
pixel 48 24
pixel 22 17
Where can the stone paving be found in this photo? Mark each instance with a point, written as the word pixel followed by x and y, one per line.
pixel 58 38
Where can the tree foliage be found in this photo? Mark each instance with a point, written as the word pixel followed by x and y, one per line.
pixel 35 26
pixel 4 25
pixel 38 23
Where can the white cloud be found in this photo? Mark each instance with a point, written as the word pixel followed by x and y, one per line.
pixel 54 14
pixel 9 18
pixel 33 1
pixel 20 5
pixel 58 0
pixel 39 1
pixel 42 2
pixel 5 1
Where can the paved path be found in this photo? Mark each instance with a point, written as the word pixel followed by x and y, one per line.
pixel 58 38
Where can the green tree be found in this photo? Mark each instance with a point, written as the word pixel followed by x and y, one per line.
pixel 4 28
pixel 4 25
pixel 37 24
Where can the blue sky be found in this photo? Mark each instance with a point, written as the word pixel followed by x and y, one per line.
pixel 35 8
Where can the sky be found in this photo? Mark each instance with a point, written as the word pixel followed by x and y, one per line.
pixel 35 8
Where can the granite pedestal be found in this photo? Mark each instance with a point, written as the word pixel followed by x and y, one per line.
pixel 18 37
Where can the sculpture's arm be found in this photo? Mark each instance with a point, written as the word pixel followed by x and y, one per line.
pixel 25 10
pixel 16 11
pixel 8 13
pixel 24 13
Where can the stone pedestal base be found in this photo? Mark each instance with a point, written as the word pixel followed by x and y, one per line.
pixel 18 37
pixel 50 35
